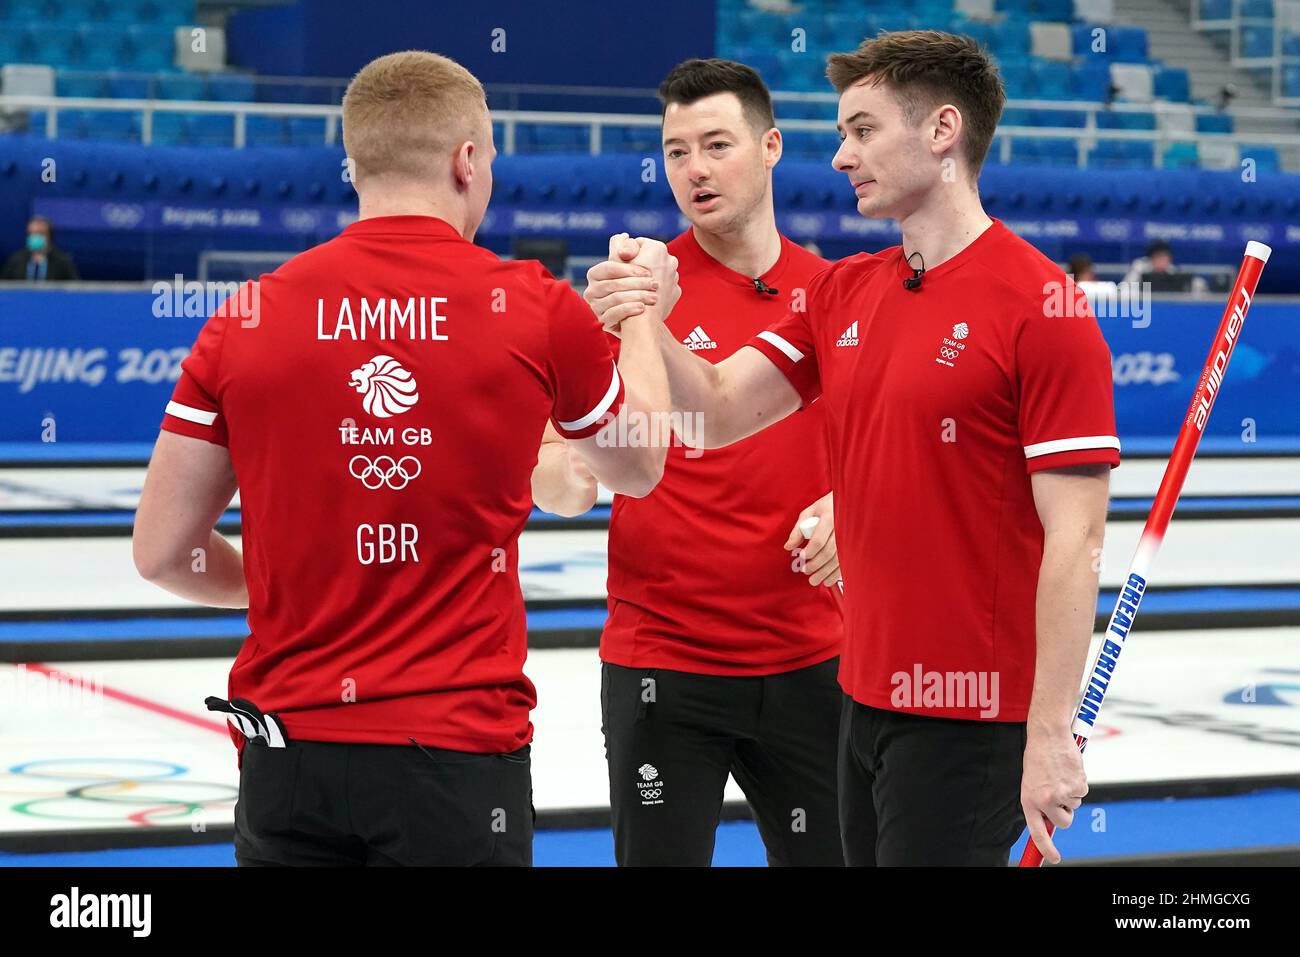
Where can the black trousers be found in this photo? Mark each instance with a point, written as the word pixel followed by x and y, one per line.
pixel 923 790
pixel 326 803
pixel 671 739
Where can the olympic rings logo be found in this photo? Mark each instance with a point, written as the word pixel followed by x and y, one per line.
pixel 651 792
pixel 377 474
pixel 949 353
pixel 135 791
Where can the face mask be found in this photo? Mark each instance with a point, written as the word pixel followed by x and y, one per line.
pixel 36 242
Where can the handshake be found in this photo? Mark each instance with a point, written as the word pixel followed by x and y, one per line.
pixel 640 277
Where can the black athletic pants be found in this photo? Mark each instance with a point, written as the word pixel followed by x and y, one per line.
pixel 671 739
pixel 918 789
pixel 326 803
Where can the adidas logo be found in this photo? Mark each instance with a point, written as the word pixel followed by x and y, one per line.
pixel 850 337
pixel 699 339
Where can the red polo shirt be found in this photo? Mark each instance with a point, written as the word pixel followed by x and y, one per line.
pixel 383 403
pixel 941 402
pixel 699 577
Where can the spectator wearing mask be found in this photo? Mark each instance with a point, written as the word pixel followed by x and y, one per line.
pixel 41 260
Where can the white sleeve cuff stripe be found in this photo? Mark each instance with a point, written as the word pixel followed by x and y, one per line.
pixel 1072 445
pixel 190 414
pixel 791 353
pixel 577 425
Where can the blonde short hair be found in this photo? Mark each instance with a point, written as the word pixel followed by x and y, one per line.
pixel 404 112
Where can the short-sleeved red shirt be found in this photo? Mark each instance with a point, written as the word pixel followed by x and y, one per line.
pixel 940 403
pixel 383 403
pixel 699 577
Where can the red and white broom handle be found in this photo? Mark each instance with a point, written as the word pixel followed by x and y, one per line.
pixel 1171 486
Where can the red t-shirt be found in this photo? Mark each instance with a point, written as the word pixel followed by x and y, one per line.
pixel 383 409
pixel 699 578
pixel 941 402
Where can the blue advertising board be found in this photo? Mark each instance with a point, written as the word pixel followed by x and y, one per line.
pixel 101 366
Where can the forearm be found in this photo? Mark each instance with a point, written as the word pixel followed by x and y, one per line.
pixel 1065 611
pixel 209 575
pixel 698 387
pixel 647 400
pixel 555 488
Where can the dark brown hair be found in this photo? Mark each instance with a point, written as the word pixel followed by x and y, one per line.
pixel 926 68
pixel 695 79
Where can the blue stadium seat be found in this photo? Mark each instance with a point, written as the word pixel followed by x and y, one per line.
pixel 1011 37
pixel 306 130
pixel 1124 120
pixel 104 46
pixel 211 129
pixel 888 21
pixel 839 29
pixel 265 131
pixel 1056 11
pixel 1216 9
pixel 170 129
pixel 59 46
pixel 1054 152
pixel 804 71
pixel 983 32
pixel 76 12
pixel 1256 42
pixel 113 125
pixel 1291 80
pixel 1016 116
pixel 643 140
pixel 1265 157
pixel 1090 81
pixel 152 48
pixel 1018 78
pixel 180 86
pixel 551 138
pixel 1052 80
pixel 767 63
pixel 29 11
pixel 1181 156
pixel 232 88
pixel 13 46
pixel 933 11
pixel 130 87
pixel 1126 153
pixel 1174 84
pixel 169 12
pixel 72 124
pixel 1129 44
pixel 123 11
pixel 1061 118
pixel 1213 123
pixel 759 27
pixel 71 83
pixel 1257 8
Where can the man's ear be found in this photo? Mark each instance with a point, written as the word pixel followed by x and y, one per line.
pixel 773 146
pixel 948 125
pixel 464 165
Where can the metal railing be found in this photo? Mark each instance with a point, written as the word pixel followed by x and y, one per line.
pixel 53 105
pixel 1085 137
